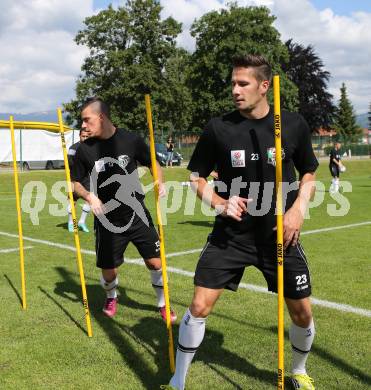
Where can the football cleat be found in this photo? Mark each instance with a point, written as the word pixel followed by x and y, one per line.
pixel 302 382
pixel 110 307
pixel 83 227
pixel 162 311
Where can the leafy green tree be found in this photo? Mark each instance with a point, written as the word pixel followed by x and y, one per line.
pixel 221 35
pixel 369 117
pixel 345 118
pixel 305 69
pixel 174 101
pixel 130 54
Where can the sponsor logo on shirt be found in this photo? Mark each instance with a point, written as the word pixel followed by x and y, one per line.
pixel 238 158
pixel 271 155
pixel 99 166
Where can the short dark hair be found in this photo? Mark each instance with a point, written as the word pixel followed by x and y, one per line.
pixel 99 104
pixel 263 70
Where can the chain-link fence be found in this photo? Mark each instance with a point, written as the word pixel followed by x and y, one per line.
pixel 322 146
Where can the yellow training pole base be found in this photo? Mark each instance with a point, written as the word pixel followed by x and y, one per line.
pixel 279 210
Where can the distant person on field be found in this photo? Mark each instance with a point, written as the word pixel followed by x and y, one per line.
pixel 170 152
pixel 85 208
pixel 336 167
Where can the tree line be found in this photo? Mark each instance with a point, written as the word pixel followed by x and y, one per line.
pixel 133 51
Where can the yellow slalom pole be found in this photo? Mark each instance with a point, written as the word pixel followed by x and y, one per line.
pixel 161 231
pixel 19 215
pixel 277 133
pixel 75 227
pixel 54 127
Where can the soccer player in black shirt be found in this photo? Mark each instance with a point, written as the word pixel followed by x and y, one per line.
pixel 110 156
pixel 86 183
pixel 335 166
pixel 240 145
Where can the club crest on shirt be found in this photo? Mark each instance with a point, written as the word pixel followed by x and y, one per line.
pixel 271 155
pixel 123 160
pixel 238 158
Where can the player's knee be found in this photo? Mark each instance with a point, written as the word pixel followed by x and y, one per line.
pixel 153 264
pixel 200 308
pixel 302 318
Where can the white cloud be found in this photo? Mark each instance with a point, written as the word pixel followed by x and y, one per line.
pixel 41 61
pixel 186 11
pixel 342 42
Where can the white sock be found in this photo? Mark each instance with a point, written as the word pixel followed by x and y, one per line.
pixel 191 334
pixel 85 212
pixel 301 343
pixel 158 286
pixel 336 185
pixel 70 220
pixel 110 287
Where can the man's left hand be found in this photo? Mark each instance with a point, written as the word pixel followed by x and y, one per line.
pixel 292 223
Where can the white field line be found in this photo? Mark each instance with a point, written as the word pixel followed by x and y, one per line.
pixel 35 197
pixel 328 304
pixel 330 229
pixel 14 249
pixel 49 243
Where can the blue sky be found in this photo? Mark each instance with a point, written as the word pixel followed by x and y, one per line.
pixel 343 7
pixel 100 3
pixel 42 61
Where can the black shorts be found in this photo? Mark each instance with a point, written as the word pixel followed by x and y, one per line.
pixel 110 247
pixel 334 169
pixel 222 266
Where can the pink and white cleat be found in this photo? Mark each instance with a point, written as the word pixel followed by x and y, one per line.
pixel 110 307
pixel 162 311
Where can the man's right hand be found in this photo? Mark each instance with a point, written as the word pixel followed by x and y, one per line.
pixel 233 207
pixel 95 203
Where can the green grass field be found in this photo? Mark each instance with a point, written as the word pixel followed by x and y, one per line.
pixel 46 346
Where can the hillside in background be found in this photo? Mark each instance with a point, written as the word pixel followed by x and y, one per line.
pixel 42 116
pixel 362 120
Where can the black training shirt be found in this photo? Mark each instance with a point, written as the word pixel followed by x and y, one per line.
pixel 113 159
pixel 243 151
pixel 71 159
pixel 334 154
pixel 71 153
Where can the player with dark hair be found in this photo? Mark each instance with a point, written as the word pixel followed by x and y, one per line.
pixel 240 145
pixel 110 157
